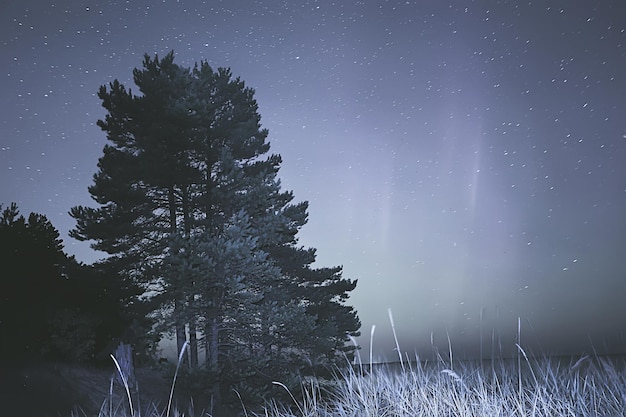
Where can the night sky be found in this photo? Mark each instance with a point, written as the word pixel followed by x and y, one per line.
pixel 464 160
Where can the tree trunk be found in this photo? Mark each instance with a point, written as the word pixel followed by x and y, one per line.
pixel 212 335
pixel 193 340
pixel 212 357
pixel 181 337
pixel 193 346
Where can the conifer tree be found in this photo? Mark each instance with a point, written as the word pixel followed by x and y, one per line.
pixel 190 206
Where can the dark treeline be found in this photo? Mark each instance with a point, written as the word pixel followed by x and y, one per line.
pixel 53 308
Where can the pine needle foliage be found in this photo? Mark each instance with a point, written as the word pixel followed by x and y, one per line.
pixel 190 207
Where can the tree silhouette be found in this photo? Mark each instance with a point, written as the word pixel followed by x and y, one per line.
pixel 191 208
pixel 51 307
pixel 32 257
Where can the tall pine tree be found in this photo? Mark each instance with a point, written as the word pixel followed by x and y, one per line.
pixel 190 207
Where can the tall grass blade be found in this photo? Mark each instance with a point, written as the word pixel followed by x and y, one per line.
pixel 291 395
pixel 125 382
pixel 395 337
pixel 180 359
pixel 519 359
pixel 450 350
pixel 358 354
pixel 372 347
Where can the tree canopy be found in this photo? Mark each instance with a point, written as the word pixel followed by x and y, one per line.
pixel 190 207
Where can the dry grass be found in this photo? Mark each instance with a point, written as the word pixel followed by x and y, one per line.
pixel 542 387
pixel 588 386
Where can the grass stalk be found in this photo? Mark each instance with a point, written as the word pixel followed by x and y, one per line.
pixel 125 382
pixel 180 360
pixel 372 347
pixel 586 386
pixel 395 337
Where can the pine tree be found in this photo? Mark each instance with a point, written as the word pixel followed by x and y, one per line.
pixel 144 177
pixel 191 207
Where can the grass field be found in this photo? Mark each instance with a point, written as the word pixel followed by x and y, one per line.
pixel 586 386
pixel 529 387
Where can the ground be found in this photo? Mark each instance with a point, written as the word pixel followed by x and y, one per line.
pixel 47 389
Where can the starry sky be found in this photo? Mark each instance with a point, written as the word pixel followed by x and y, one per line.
pixel 464 160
